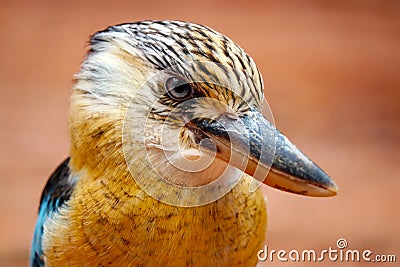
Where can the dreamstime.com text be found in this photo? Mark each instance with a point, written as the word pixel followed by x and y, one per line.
pixel 340 253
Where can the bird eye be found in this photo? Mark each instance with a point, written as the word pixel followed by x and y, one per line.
pixel 178 89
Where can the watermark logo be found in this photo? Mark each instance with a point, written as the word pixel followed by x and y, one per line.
pixel 340 253
pixel 184 136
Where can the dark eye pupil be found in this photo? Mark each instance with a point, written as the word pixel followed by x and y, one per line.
pixel 178 89
pixel 181 89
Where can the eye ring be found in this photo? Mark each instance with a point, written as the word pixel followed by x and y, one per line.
pixel 178 89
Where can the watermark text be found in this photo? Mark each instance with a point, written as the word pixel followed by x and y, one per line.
pixel 339 253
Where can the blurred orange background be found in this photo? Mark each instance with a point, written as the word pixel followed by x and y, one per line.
pixel 331 71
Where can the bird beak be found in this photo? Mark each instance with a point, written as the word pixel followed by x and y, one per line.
pixel 252 144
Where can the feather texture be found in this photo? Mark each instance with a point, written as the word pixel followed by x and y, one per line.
pixel 56 193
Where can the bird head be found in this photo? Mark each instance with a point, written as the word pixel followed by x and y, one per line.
pixel 183 102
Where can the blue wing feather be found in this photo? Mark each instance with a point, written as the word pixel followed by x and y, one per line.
pixel 57 191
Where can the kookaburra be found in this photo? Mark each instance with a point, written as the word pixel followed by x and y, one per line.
pixel 168 147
